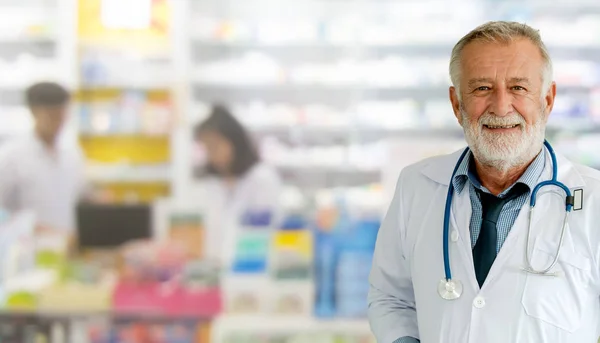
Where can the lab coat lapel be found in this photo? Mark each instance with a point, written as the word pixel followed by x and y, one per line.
pixel 440 170
pixel 568 173
pixel 460 221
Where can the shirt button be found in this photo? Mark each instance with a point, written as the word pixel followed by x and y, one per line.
pixel 454 236
pixel 479 302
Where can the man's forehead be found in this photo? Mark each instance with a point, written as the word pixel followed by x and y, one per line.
pixel 493 62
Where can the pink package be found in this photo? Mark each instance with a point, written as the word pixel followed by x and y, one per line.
pixel 137 297
pixel 182 301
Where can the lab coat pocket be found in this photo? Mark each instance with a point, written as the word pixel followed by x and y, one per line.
pixel 557 300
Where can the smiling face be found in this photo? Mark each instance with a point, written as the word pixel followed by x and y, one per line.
pixel 503 106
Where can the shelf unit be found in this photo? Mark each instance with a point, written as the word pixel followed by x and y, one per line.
pixel 126 99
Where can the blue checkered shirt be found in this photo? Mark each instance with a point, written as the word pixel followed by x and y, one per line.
pixel 466 176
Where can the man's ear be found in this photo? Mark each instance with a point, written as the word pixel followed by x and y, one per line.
pixel 549 99
pixel 454 100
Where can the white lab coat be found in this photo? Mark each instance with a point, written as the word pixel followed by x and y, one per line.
pixel 223 206
pixel 512 306
pixel 48 185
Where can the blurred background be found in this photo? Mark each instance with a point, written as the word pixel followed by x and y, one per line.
pixel 223 166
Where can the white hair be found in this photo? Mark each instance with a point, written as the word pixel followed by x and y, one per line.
pixel 501 32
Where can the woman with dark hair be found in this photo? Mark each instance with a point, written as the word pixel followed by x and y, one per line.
pixel 238 182
pixel 230 151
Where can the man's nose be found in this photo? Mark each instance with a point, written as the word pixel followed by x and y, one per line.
pixel 501 102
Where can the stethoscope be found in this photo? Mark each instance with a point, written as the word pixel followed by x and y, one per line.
pixel 451 289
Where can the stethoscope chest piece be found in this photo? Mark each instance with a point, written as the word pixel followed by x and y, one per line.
pixel 450 289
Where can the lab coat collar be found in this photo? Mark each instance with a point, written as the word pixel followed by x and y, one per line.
pixel 567 172
pixel 440 169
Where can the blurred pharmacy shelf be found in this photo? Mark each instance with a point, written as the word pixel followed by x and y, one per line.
pixel 302 75
pixel 308 78
pixel 37 43
pixel 125 96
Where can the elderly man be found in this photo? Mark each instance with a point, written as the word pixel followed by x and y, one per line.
pixel 461 256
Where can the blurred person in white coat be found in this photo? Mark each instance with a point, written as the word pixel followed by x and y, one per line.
pixel 235 179
pixel 460 256
pixel 41 172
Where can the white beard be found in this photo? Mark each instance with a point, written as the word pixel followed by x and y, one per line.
pixel 504 151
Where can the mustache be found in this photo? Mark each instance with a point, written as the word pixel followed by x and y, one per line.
pixel 493 120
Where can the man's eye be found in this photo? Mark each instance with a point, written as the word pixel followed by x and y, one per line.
pixel 518 88
pixel 483 88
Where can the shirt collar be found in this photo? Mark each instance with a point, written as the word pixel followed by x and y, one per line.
pixel 466 171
